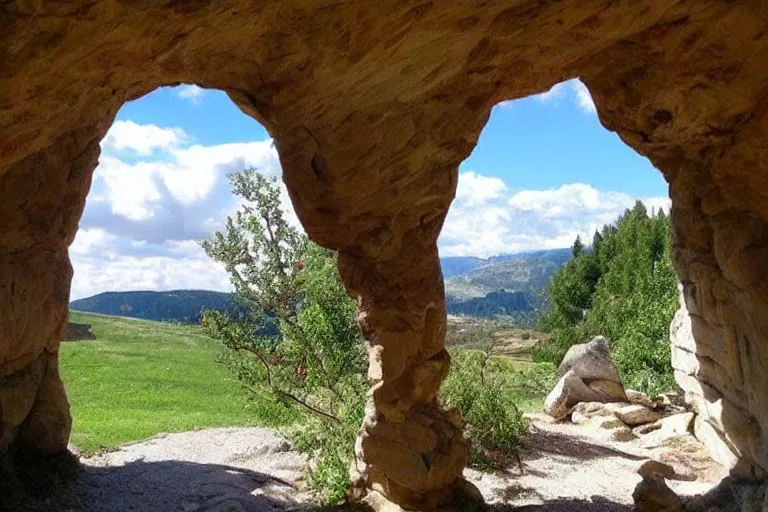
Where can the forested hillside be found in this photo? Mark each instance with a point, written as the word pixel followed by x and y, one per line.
pixel 625 289
pixel 183 306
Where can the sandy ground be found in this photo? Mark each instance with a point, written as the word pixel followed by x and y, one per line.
pixel 565 468
pixel 213 470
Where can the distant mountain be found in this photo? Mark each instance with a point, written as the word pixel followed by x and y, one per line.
pixel 182 306
pixel 509 284
pixel 503 285
pixel 457 265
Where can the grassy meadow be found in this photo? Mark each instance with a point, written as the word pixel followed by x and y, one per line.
pixel 139 378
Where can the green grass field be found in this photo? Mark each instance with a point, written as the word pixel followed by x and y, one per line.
pixel 140 378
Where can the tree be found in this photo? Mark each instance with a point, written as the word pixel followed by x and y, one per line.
pixel 625 288
pixel 578 247
pixel 299 341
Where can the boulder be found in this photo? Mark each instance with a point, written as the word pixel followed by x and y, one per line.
pixel 590 361
pixel 664 430
pixel 568 391
pixel 677 423
pixel 717 444
pixel 608 390
pixel 634 415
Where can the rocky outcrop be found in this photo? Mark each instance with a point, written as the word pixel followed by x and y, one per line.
pixel 706 400
pixel 373 105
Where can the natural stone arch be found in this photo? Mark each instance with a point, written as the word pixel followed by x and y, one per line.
pixel 372 106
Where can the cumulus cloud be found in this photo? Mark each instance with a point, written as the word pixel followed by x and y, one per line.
pixel 506 222
pixel 143 218
pixel 190 92
pixel 141 138
pixel 106 262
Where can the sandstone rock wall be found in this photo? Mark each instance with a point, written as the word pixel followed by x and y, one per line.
pixel 373 105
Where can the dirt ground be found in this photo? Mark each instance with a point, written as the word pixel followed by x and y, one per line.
pixel 564 468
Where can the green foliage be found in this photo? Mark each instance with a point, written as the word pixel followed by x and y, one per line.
pixel 299 343
pixel 478 386
pixel 625 288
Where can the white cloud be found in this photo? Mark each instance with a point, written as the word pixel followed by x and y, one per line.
pixel 583 97
pixel 190 92
pixel 475 188
pixel 529 219
pixel 143 218
pixel 556 93
pixel 141 138
pixel 104 262
pixel 571 92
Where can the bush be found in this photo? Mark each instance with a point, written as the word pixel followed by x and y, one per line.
pixel 297 343
pixel 480 392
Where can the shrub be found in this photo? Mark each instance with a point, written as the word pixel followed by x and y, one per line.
pixel 480 392
pixel 297 341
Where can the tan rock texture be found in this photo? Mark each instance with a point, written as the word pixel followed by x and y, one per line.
pixel 373 105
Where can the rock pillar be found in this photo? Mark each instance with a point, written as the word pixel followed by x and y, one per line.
pixel 43 196
pixel 409 451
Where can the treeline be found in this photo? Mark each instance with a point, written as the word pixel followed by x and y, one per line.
pixel 624 288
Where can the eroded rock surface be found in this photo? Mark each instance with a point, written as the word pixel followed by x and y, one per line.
pixel 373 105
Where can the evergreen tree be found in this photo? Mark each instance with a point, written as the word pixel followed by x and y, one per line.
pixel 625 288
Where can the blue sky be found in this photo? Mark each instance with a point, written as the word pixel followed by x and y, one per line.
pixel 544 170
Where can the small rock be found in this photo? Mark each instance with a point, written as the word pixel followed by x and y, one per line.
pixel 653 495
pixel 639 398
pixel 621 435
pixel 672 399
pixel 635 414
pixel 647 428
pixel 583 411
pixel 654 467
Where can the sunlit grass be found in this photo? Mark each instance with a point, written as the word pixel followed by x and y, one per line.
pixel 140 378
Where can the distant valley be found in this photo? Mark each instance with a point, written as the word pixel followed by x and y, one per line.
pixel 511 285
